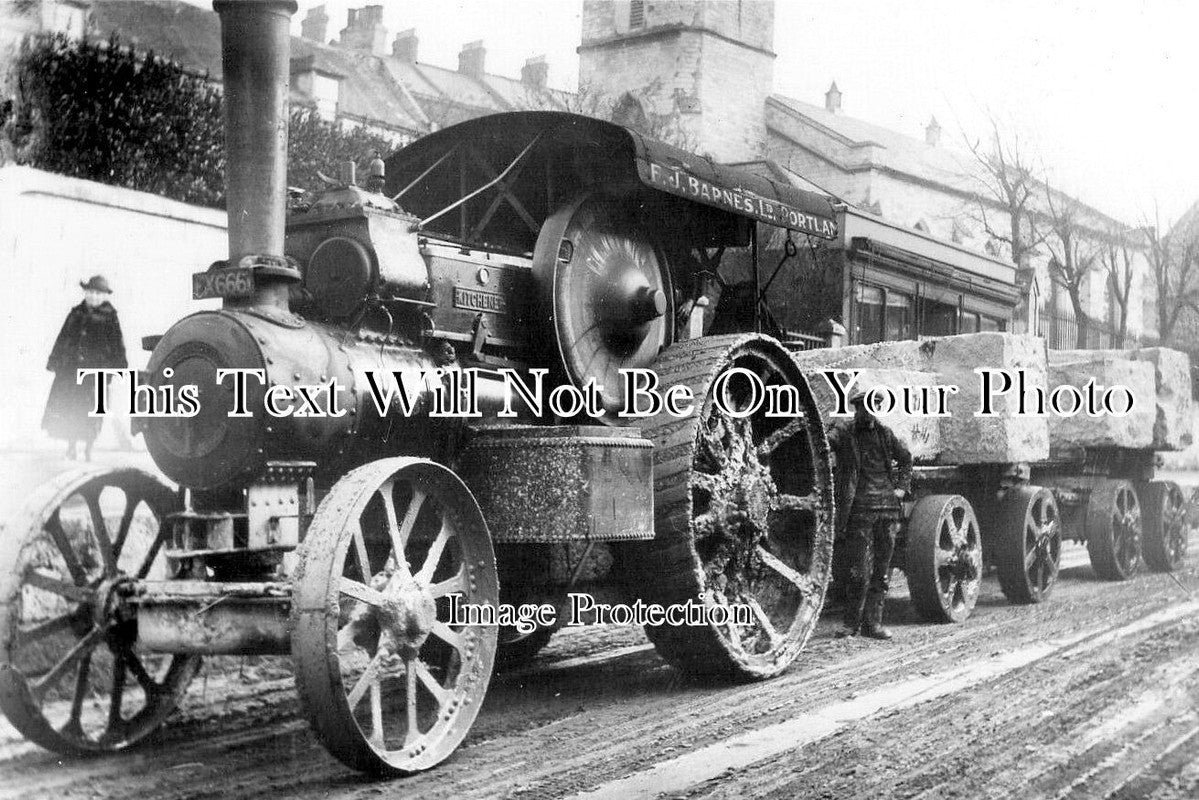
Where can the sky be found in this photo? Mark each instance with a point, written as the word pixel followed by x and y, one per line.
pixel 1105 94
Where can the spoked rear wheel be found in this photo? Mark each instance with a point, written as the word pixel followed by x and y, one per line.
pixel 944 558
pixel 72 678
pixel 388 682
pixel 743 510
pixel 1028 544
pixel 1114 529
pixel 1165 542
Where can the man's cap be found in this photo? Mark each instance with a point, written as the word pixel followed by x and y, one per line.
pixel 96 283
pixel 857 394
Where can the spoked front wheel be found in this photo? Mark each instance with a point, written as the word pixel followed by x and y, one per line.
pixel 388 681
pixel 72 677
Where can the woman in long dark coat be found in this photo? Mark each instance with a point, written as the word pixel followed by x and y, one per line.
pixel 90 338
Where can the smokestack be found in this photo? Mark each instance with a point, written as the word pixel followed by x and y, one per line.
pixel 255 49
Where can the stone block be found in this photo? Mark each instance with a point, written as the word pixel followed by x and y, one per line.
pixel 1007 436
pixel 1172 428
pixel 920 432
pixel 963 438
pixel 1107 368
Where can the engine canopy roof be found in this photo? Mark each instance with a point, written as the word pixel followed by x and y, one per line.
pixel 543 158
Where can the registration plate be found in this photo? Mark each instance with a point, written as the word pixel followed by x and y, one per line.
pixel 234 282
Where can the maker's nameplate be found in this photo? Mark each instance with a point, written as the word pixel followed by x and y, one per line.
pixel 475 300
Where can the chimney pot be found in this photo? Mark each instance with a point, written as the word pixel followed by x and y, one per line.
pixel 932 133
pixel 315 25
pixel 832 99
pixel 472 59
pixel 535 73
pixel 405 46
pixel 365 31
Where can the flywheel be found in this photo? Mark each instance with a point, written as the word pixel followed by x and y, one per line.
pixel 605 294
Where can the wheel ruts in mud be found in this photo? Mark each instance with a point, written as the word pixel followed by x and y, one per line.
pixel 1164 538
pixel 72 678
pixel 605 290
pixel 944 558
pixel 1113 528
pixel 1027 543
pixel 743 512
pixel 387 683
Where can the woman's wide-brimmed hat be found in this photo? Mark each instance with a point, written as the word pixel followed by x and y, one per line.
pixel 96 283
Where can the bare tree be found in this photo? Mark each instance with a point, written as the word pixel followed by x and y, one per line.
pixel 1007 186
pixel 1174 268
pixel 1072 254
pixel 1116 258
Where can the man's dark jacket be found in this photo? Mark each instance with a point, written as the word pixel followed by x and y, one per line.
pixel 843 440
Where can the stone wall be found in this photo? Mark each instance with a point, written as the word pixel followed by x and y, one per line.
pixel 57 231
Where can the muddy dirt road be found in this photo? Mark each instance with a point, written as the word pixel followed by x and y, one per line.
pixel 1092 694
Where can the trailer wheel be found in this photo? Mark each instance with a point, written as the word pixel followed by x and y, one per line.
pixel 943 558
pixel 1113 529
pixel 743 511
pixel 389 684
pixel 71 676
pixel 1165 543
pixel 1028 544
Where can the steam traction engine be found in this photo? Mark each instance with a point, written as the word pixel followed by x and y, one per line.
pixel 524 241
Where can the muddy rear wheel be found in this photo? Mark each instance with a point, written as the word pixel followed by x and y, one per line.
pixel 743 511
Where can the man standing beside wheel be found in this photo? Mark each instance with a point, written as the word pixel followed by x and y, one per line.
pixel 873 473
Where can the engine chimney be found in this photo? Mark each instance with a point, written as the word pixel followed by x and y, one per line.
pixel 255 47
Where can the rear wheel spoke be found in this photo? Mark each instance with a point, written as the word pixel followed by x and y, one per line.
pixel 69 557
pixel 100 530
pixel 81 649
pixel 802 582
pixel 61 588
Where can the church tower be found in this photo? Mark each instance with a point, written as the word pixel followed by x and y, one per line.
pixel 695 73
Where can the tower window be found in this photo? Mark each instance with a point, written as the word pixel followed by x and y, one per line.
pixel 637 14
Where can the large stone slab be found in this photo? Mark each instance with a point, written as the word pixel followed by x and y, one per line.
pixel 1107 368
pixel 1172 427
pixel 963 438
pixel 917 429
pixel 1007 436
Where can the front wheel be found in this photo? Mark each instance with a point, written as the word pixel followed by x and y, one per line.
pixel 72 676
pixel 389 682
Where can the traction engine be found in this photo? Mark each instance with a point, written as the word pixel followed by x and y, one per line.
pixel 560 249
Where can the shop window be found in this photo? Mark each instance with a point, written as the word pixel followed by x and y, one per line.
pixel 868 313
pixel 938 319
pixel 990 324
pixel 900 321
pixel 970 322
